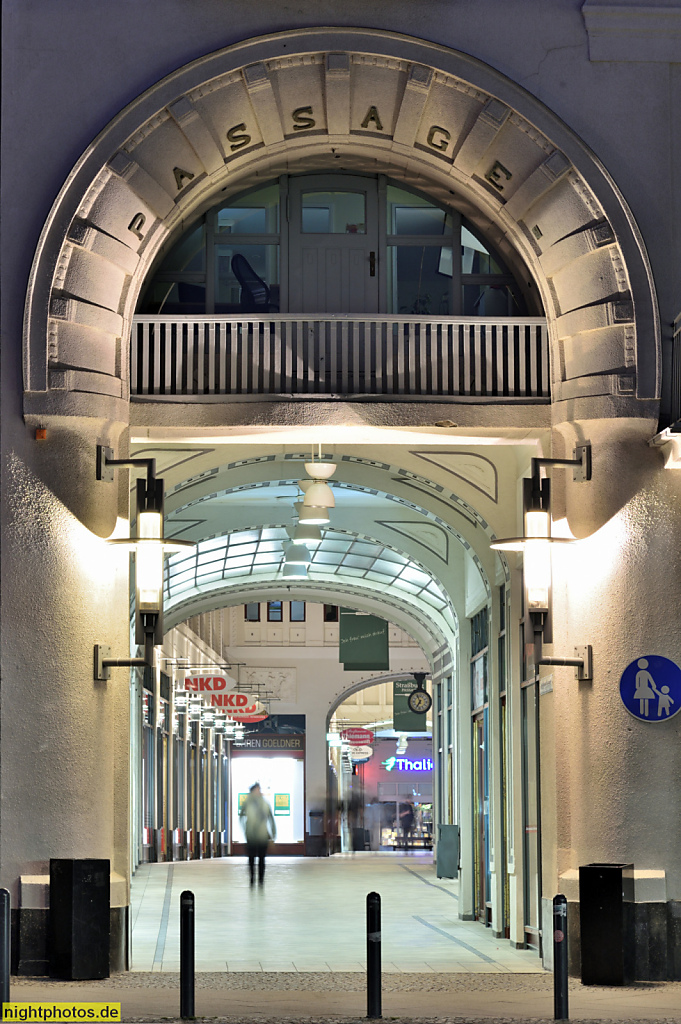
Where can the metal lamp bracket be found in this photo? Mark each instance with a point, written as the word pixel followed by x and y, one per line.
pixel 582 661
pixel 103 662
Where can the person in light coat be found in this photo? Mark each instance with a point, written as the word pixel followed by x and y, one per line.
pixel 258 824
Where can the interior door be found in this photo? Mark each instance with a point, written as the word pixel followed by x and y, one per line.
pixel 333 244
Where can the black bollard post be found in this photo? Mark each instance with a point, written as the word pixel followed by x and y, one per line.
pixel 373 955
pixel 5 945
pixel 187 955
pixel 560 959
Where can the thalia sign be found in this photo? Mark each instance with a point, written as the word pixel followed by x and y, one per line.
pixel 403 764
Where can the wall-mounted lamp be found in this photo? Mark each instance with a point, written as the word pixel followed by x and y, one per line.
pixel 536 547
pixel 149 547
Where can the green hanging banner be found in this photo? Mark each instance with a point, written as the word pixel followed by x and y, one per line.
pixel 405 720
pixel 362 642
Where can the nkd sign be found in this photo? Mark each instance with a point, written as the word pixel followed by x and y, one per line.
pixel 241 706
pixel 207 684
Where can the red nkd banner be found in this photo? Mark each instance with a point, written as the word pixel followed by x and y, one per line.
pixel 201 684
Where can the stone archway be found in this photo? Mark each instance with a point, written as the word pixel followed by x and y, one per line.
pixel 425 114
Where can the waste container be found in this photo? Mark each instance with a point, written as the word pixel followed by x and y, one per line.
pixel 447 865
pixel 606 915
pixel 359 838
pixel 316 840
pixel 79 919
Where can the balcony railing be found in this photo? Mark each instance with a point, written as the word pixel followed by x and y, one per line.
pixel 382 357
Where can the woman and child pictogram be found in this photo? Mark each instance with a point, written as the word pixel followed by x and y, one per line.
pixel 646 690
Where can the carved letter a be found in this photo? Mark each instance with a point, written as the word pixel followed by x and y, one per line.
pixel 372 115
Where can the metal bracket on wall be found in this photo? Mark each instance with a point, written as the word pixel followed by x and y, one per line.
pixel 582 661
pixel 583 471
pixel 103 662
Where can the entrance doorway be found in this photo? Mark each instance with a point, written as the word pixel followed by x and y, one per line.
pixel 333 244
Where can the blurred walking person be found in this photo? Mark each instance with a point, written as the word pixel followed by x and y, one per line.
pixel 258 824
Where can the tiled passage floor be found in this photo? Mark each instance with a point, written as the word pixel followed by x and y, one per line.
pixel 310 916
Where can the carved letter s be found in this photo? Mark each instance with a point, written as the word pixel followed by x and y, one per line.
pixel 303 119
pixel 238 136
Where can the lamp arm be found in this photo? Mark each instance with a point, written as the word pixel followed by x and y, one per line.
pixel 105 460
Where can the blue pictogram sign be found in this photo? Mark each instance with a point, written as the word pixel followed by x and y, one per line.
pixel 650 688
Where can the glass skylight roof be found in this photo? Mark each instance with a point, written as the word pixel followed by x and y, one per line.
pixel 260 552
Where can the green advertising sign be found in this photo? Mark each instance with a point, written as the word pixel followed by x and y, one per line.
pixel 405 720
pixel 363 642
pixel 282 803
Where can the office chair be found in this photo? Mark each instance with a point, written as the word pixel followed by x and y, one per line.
pixel 255 294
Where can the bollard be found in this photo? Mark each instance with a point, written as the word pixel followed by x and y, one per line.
pixel 5 944
pixel 187 955
pixel 373 955
pixel 560 959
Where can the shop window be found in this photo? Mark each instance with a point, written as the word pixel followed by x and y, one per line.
pixel 275 611
pixel 330 613
pixel 297 611
pixel 252 612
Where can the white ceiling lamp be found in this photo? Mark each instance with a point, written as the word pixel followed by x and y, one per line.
pixel 315 515
pixel 298 572
pixel 307 534
pixel 296 554
pixel 320 470
pixel 319 494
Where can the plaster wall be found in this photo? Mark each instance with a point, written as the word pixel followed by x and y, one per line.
pixel 64 771
pixel 614 779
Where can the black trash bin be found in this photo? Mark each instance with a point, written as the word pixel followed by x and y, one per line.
pixel 79 919
pixel 606 914
pixel 316 839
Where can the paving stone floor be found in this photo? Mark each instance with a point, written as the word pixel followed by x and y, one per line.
pixel 310 917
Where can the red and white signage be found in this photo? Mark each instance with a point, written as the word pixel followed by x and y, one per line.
pixel 207 684
pixel 360 753
pixel 357 737
pixel 239 707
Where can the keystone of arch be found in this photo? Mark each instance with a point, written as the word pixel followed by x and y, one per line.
pixel 434 117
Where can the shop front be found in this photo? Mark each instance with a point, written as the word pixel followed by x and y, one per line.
pixel 273 755
pixel 397 787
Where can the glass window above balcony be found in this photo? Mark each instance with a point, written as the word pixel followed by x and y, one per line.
pixel 338 244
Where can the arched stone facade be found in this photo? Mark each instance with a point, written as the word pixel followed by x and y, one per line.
pixel 355 98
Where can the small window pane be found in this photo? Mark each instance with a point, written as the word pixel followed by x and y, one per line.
pixel 475 257
pixel 489 300
pixel 419 279
pixel 274 611
pixel 189 254
pixel 409 214
pixel 256 213
pixel 297 611
pixel 252 612
pixel 330 613
pixel 174 298
pixel 333 213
